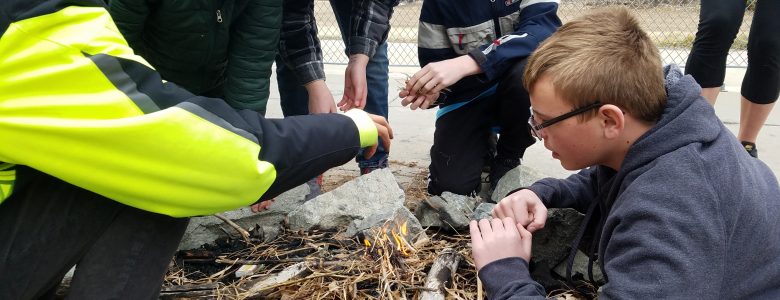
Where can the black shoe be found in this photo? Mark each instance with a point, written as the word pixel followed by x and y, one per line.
pixel 750 148
pixel 499 167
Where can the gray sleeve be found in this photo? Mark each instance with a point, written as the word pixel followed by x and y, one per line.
pixel 508 278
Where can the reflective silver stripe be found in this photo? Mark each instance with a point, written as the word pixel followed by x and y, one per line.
pixel 502 40
pixel 527 3
pixel 465 39
pixel 114 72
pixel 432 36
pixel 211 117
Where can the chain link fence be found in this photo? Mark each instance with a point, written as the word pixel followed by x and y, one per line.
pixel 671 23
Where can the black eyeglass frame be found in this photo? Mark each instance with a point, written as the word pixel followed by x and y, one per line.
pixel 536 128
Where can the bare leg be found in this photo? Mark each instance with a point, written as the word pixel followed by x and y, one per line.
pixel 711 94
pixel 751 118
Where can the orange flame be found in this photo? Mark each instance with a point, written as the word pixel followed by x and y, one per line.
pixel 396 240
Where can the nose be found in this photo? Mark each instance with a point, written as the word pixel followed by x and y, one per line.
pixel 542 133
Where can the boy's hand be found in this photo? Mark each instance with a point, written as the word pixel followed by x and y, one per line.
pixel 525 207
pixel 355 86
pixel 385 134
pixel 496 239
pixel 439 75
pixel 421 101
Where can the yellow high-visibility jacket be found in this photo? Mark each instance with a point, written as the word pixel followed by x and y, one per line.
pixel 76 103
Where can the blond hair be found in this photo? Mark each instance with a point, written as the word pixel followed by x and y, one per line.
pixel 604 56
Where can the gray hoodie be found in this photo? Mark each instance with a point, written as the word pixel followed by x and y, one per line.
pixel 690 215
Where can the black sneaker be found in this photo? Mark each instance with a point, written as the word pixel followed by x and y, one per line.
pixel 750 148
pixel 499 167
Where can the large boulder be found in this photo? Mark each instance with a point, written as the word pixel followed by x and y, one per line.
pixel 364 196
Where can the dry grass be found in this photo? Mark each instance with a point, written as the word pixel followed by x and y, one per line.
pixel 339 268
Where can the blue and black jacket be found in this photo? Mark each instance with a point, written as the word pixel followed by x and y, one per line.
pixel 496 34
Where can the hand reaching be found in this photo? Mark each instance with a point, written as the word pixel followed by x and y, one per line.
pixel 355 86
pixel 525 208
pixel 320 99
pixel 439 75
pixel 496 239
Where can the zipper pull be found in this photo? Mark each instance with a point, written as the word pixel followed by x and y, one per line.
pixel 219 16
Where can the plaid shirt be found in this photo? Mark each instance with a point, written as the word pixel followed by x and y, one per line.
pixel 299 45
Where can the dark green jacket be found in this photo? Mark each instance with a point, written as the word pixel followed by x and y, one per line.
pixel 214 48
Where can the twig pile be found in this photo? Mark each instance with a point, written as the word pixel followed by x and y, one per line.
pixel 338 267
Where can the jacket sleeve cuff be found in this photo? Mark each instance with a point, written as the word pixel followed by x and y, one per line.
pixel 499 274
pixel 366 127
pixel 544 192
pixel 481 60
pixel 362 45
pixel 309 72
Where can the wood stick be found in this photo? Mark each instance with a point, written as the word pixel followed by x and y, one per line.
pixel 241 230
pixel 308 261
pixel 441 272
pixel 188 291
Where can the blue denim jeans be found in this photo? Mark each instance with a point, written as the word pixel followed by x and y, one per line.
pixel 295 100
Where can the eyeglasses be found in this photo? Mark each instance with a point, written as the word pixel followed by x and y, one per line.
pixel 537 128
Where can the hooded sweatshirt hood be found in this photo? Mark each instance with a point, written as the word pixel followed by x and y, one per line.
pixel 687 119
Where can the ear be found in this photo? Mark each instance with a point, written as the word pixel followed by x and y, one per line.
pixel 613 120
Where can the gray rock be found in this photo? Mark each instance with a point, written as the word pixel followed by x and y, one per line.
pixel 551 244
pixel 483 211
pixel 522 176
pixel 427 216
pixel 399 216
pixel 452 210
pixel 360 198
pixel 206 229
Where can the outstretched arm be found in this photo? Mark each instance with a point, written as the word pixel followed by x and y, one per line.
pixel 369 27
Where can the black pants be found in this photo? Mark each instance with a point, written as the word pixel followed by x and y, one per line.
pixel 461 140
pixel 47 226
pixel 719 23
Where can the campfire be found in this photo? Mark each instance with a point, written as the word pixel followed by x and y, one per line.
pixel 389 241
pixel 380 263
pixel 365 256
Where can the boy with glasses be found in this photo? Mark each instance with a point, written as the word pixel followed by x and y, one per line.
pixel 666 220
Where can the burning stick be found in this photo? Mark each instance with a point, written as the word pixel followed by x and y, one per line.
pixel 441 273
